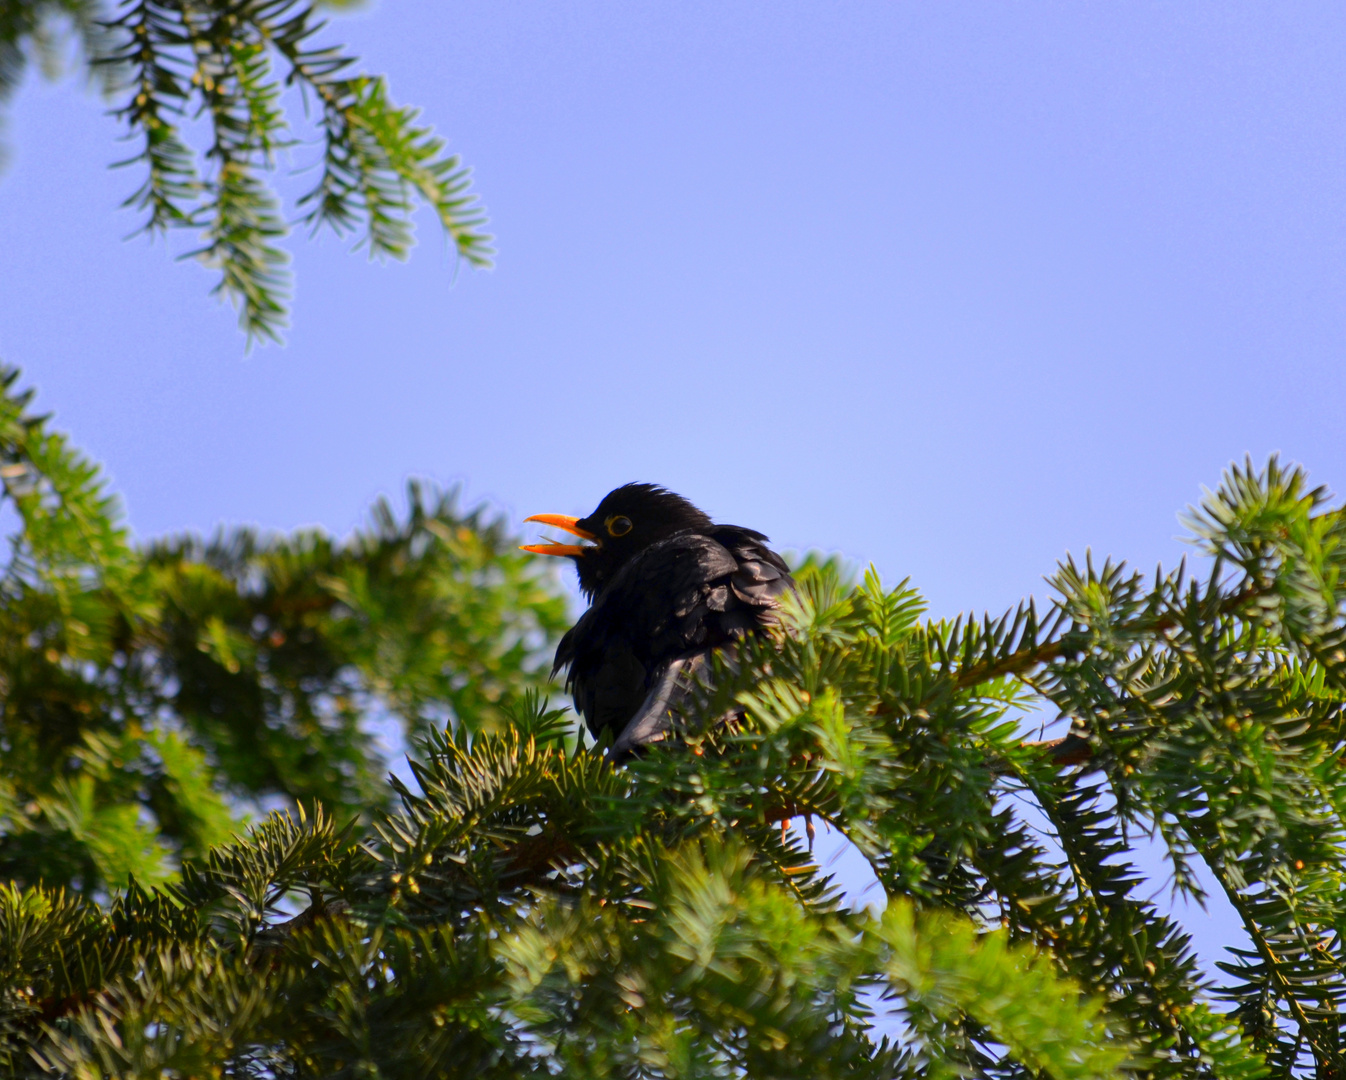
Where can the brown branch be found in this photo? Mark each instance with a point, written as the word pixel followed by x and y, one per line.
pixel 1069 750
pixel 1074 749
pixel 1047 651
pixel 539 854
pixel 273 937
pixel 1013 663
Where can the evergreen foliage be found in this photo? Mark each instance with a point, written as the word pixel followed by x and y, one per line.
pixel 526 909
pixel 226 64
pixel 152 696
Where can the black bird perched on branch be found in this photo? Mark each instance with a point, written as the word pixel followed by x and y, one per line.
pixel 667 586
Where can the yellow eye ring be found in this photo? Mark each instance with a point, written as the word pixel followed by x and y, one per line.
pixel 618 525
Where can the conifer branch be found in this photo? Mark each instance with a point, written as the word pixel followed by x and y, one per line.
pixel 171 61
pixel 532 910
pixel 1025 660
pixel 1284 984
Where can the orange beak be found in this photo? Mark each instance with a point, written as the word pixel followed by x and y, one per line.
pixel 559 521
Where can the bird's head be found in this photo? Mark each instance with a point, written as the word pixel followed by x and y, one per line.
pixel 627 521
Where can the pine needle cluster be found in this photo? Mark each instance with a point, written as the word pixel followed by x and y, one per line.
pixel 152 697
pixel 224 65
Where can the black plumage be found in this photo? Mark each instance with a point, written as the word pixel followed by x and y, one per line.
pixel 668 586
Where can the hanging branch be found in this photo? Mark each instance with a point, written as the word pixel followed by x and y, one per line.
pixel 227 63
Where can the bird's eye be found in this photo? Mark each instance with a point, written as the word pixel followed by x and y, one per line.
pixel 618 526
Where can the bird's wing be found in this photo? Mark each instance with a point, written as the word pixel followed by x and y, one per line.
pixel 760 576
pixel 606 678
pixel 654 718
pixel 635 652
pixel 646 616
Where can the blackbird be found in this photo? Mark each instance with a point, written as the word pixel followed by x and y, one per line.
pixel 666 586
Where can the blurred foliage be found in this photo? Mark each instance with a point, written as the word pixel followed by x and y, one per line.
pixel 225 64
pixel 150 696
pixel 523 908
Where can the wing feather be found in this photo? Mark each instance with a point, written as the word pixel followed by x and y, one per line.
pixel 631 655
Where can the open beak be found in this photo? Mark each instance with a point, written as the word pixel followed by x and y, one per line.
pixel 559 521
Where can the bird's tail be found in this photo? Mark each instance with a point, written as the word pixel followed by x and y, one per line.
pixel 675 695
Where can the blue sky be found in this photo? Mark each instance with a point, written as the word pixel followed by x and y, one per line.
pixel 953 288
